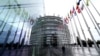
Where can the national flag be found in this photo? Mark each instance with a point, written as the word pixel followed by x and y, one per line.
pixel 82 7
pixel 73 10
pixel 79 10
pixel 77 7
pixel 70 12
pixel 78 3
pixel 87 2
pixel 79 0
pixel 75 13
pixel 66 20
pixel 68 16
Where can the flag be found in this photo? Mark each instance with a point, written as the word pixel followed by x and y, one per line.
pixel 77 7
pixel 68 16
pixel 66 20
pixel 78 3
pixel 70 12
pixel 79 10
pixel 82 7
pixel 73 11
pixel 87 2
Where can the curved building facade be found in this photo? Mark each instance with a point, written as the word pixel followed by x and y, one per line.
pixel 49 30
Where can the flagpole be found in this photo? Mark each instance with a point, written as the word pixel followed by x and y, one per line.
pixel 74 37
pixel 92 16
pixel 90 33
pixel 97 29
pixel 82 31
pixel 78 34
pixel 95 8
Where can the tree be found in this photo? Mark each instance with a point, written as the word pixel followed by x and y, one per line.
pixel 84 43
pixel 90 42
pixel 98 42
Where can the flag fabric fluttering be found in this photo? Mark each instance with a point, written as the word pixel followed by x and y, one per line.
pixel 70 12
pixel 82 7
pixel 78 7
pixel 68 16
pixel 73 11
pixel 87 2
pixel 79 10
pixel 78 3
pixel 66 20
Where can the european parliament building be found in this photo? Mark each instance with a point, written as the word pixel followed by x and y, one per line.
pixel 49 30
pixel 18 30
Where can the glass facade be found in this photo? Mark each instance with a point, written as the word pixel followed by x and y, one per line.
pixel 48 31
pixel 15 19
pixel 45 27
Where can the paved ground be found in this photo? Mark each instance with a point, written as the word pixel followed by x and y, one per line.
pixel 51 51
pixel 18 52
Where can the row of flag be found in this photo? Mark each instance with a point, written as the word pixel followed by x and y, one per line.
pixel 78 9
